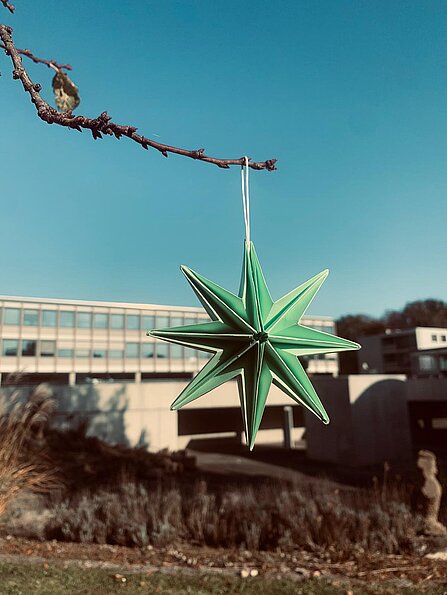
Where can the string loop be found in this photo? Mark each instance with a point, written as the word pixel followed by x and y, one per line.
pixel 246 199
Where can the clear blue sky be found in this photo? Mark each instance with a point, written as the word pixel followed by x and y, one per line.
pixel 350 96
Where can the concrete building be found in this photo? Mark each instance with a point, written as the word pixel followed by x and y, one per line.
pixel 391 352
pixel 72 341
pixel 377 418
pixel 102 366
pixel 78 345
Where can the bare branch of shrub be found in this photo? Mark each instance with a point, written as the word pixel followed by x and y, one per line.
pixel 50 63
pixel 7 5
pixel 103 125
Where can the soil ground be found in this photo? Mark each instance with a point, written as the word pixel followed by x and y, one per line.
pixel 28 566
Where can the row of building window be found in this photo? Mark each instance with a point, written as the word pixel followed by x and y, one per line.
pixel 88 320
pixel 100 320
pixel 32 348
pixel 442 338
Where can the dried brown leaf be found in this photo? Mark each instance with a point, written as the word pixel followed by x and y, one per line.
pixel 66 93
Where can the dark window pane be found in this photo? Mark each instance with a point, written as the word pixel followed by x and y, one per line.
pixel 47 348
pixel 66 319
pixel 100 320
pixel 28 348
pixel 148 322
pixel 49 317
pixel 426 363
pixel 133 322
pixel 84 320
pixel 30 317
pixel 116 353
pixel 12 316
pixel 99 353
pixel 65 353
pixel 132 350
pixel 117 321
pixel 10 346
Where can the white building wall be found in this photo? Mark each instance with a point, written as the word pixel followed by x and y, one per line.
pixel 431 337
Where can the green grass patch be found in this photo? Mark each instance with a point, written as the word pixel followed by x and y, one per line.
pixel 22 579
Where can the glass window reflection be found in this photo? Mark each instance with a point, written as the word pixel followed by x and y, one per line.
pixel 12 316
pixel 49 317
pixel 10 347
pixel 132 350
pixel 147 350
pixel 162 321
pixel 133 322
pixel 148 322
pixel 162 350
pixel 30 317
pixel 176 351
pixel 117 321
pixel 67 319
pixel 100 320
pixel 83 320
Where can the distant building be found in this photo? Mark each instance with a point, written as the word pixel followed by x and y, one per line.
pixel 402 352
pixel 71 341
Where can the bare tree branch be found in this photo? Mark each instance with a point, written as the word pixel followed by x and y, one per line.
pixel 50 63
pixel 7 5
pixel 103 123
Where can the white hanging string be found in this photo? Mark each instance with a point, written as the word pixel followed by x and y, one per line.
pixel 246 200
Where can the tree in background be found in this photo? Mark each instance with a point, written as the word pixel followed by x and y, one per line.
pixel 419 313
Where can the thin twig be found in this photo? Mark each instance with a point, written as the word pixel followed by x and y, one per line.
pixel 7 5
pixel 50 63
pixel 103 123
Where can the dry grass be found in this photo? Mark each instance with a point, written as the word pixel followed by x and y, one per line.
pixel 23 463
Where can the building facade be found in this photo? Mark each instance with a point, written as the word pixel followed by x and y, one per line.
pixel 73 341
pixel 430 362
pixel 394 352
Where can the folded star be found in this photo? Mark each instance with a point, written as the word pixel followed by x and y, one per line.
pixel 256 340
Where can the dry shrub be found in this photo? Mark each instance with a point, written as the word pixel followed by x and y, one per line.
pixel 265 517
pixel 23 462
pixel 130 515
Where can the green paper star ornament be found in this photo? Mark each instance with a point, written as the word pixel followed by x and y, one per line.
pixel 256 340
